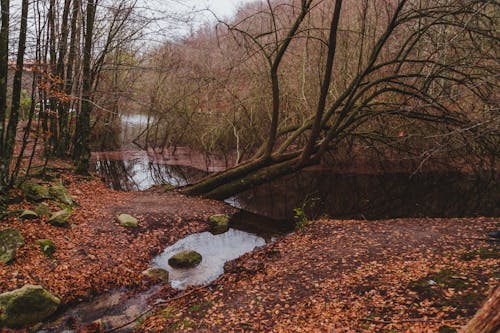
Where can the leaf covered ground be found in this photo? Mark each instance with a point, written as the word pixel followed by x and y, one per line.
pixel 95 253
pixel 402 275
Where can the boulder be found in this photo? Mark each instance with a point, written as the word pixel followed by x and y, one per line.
pixel 34 191
pixel 26 306
pixel 60 218
pixel 10 241
pixel 47 246
pixel 127 221
pixel 219 224
pixel 185 259
pixel 60 193
pixel 28 215
pixel 156 273
pixel 42 209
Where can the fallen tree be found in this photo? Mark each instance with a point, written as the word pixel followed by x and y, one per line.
pixel 423 85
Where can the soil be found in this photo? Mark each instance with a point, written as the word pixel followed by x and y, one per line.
pixel 96 253
pixel 403 275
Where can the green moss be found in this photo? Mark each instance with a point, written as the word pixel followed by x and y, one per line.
pixel 485 253
pixel 28 305
pixel 168 312
pixel 43 210
pixel 447 329
pixel 185 259
pixel 127 221
pixel 60 218
pixel 47 246
pixel 195 308
pixel 60 193
pixel 10 241
pixel 34 191
pixel 219 224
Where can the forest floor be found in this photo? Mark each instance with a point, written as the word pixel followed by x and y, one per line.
pixel 402 275
pixel 420 275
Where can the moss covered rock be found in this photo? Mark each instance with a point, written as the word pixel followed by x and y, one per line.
pixel 10 241
pixel 28 215
pixel 156 273
pixel 185 259
pixel 219 224
pixel 43 209
pixel 61 194
pixel 60 218
pixel 47 246
pixel 26 306
pixel 128 221
pixel 34 191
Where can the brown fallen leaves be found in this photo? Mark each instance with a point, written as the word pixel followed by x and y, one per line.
pixel 96 253
pixel 404 275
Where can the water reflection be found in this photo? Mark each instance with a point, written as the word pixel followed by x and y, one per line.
pixel 140 172
pixel 376 196
pixel 215 250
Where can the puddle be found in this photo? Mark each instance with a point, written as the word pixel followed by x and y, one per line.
pixel 216 250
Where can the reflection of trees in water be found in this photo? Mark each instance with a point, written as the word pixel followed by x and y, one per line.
pixel 140 174
pixel 378 196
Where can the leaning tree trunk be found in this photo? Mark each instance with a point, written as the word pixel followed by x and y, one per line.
pixel 487 319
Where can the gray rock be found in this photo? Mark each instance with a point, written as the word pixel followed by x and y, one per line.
pixel 219 224
pixel 156 273
pixel 34 191
pixel 60 218
pixel 127 221
pixel 28 215
pixel 60 193
pixel 185 259
pixel 26 306
pixel 10 241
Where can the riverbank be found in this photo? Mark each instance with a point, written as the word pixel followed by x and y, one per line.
pixel 400 275
pixel 95 253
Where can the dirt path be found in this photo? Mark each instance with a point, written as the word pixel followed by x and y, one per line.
pixel 96 253
pixel 415 275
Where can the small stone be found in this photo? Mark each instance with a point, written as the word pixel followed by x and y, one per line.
pixel 28 215
pixel 26 306
pixel 185 259
pixel 60 193
pixel 47 246
pixel 128 221
pixel 60 218
pixel 156 273
pixel 219 224
pixel 10 241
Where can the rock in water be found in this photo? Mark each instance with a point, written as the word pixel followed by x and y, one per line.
pixel 219 224
pixel 60 193
pixel 60 218
pixel 128 221
pixel 35 192
pixel 28 215
pixel 47 246
pixel 185 259
pixel 10 241
pixel 26 306
pixel 156 273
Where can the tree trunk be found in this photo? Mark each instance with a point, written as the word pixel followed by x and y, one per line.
pixel 4 60
pixel 10 137
pixel 487 319
pixel 82 143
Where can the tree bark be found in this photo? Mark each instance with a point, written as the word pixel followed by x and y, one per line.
pixel 82 143
pixel 487 319
pixel 4 67
pixel 10 137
